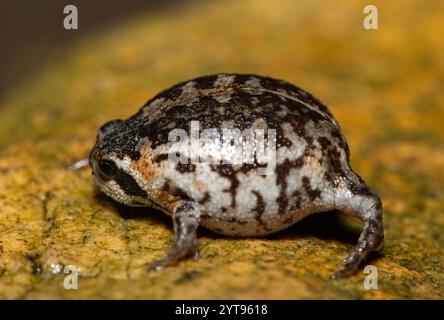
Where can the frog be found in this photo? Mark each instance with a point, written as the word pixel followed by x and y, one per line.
pixel 132 162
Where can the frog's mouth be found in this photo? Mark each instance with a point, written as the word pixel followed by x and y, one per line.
pixel 113 190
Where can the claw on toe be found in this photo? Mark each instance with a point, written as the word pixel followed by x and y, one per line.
pixel 345 272
pixel 158 265
pixel 155 266
pixel 196 254
pixel 350 265
pixel 172 258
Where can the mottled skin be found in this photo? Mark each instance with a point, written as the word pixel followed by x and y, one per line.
pixel 130 163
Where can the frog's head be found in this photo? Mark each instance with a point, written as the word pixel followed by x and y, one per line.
pixel 111 162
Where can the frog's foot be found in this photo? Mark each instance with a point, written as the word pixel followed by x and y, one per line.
pixel 369 209
pixel 186 221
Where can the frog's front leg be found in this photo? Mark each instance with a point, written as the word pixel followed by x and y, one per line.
pixel 368 208
pixel 186 221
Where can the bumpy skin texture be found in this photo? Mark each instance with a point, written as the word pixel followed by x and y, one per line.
pixel 130 163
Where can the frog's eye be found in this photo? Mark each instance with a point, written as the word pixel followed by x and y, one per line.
pixel 107 168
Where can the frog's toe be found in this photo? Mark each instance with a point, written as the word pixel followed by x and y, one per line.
pixel 158 265
pixel 350 260
pixel 196 254
pixel 351 265
pixel 161 264
pixel 174 256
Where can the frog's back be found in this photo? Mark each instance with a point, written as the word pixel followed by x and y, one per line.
pixel 235 199
pixel 238 98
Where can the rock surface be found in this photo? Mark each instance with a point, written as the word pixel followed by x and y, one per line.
pixel 384 87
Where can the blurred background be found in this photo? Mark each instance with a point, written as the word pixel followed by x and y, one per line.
pixel 30 31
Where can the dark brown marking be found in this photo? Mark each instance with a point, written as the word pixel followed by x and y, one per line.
pixel 227 171
pixel 185 168
pixel 334 161
pixel 360 189
pixel 242 78
pixel 282 172
pixel 259 209
pixel 297 198
pixel 206 198
pixel 161 157
pixel 175 191
pixel 206 82
pixel 312 193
